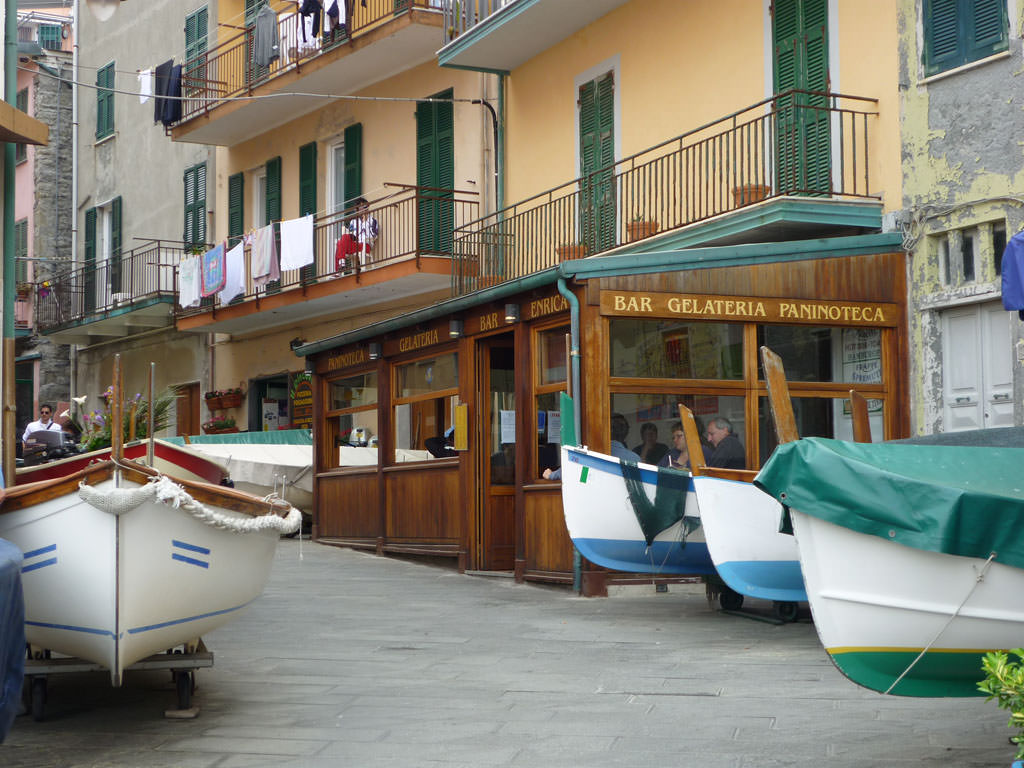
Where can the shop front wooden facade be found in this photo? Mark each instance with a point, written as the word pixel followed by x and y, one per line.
pixel 647 342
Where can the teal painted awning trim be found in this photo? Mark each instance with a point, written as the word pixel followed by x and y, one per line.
pixel 627 264
pixel 778 211
pixel 478 32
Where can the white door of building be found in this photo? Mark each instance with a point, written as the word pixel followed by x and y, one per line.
pixel 977 367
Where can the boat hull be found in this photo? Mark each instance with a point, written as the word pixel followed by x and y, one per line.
pixel 604 528
pixel 115 588
pixel 741 528
pixel 878 604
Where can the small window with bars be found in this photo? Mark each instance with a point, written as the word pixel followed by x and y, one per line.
pixel 50 36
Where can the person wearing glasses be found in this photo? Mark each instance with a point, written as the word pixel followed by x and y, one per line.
pixel 45 422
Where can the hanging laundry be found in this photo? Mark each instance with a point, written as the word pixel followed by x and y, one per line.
pixel 172 103
pixel 145 85
pixel 1013 274
pixel 333 19
pixel 234 274
pixel 297 243
pixel 263 258
pixel 213 270
pixel 266 46
pixel 188 282
pixel 311 9
pixel 160 80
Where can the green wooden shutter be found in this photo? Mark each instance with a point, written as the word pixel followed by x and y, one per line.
pixel 115 245
pixel 104 101
pixel 21 102
pixel 597 156
pixel 21 251
pixel 353 163
pixel 957 32
pixel 196 31
pixel 195 205
pixel 89 270
pixel 803 140
pixel 273 208
pixel 435 169
pixel 307 196
pixel 236 208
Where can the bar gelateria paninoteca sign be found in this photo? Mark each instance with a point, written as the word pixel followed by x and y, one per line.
pixel 698 306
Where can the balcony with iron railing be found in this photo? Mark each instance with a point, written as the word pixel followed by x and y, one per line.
pixel 412 255
pixel 113 298
pixel 799 144
pixel 231 96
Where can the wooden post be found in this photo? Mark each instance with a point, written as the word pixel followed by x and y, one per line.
pixel 861 421
pixel 778 396
pixel 117 415
pixel 151 418
pixel 694 447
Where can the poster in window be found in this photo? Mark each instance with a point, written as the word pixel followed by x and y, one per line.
pixel 862 361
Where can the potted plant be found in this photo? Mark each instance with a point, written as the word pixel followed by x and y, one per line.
pixel 747 194
pixel 568 251
pixel 219 425
pixel 1004 682
pixel 213 400
pixel 231 398
pixel 638 228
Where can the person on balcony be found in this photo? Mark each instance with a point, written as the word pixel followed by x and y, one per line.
pixel 360 237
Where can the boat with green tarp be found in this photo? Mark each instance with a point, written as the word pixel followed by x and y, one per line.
pixel 912 553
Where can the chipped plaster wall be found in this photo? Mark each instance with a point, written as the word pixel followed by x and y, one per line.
pixel 963 166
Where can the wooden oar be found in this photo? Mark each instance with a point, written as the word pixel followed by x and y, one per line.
pixel 778 397
pixel 861 423
pixel 117 415
pixel 693 445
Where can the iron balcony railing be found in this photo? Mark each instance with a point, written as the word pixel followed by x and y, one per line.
pixel 143 274
pixel 798 143
pixel 230 69
pixel 460 16
pixel 413 222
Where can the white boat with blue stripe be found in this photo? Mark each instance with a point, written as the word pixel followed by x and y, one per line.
pixel 636 518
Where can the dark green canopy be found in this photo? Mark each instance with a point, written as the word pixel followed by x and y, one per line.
pixel 943 498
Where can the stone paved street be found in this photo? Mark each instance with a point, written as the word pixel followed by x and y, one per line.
pixel 355 660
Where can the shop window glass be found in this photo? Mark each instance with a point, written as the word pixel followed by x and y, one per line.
pixel 426 393
pixel 818 417
pixel 351 424
pixel 671 349
pixel 653 417
pixel 551 363
pixel 549 437
pixel 816 354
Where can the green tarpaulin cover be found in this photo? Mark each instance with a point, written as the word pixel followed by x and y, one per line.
pixel 275 437
pixel 943 498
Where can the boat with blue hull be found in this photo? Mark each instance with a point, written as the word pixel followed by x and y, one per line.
pixel 636 518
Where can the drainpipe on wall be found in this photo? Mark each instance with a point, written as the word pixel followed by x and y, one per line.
pixel 74 174
pixel 7 369
pixel 574 367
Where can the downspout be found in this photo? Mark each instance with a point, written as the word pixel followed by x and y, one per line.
pixel 73 348
pixel 499 149
pixel 7 370
pixel 574 362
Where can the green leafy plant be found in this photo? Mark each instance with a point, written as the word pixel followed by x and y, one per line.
pixel 94 426
pixel 219 422
pixel 1004 682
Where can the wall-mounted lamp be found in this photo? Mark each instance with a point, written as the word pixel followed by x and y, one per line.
pixel 374 350
pixel 511 313
pixel 298 341
pixel 455 328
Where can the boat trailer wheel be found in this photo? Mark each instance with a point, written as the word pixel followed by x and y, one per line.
pixel 786 611
pixel 730 600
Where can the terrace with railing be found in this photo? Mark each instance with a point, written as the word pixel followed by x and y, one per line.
pixel 130 282
pixel 794 144
pixel 413 223
pixel 231 68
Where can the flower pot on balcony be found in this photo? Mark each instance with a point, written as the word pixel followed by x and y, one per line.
pixel 230 401
pixel 571 251
pixel 214 403
pixel 750 193
pixel 638 229
pixel 219 431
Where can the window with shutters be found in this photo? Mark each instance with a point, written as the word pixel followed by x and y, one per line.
pixel 21 102
pixel 105 101
pixel 49 37
pixel 272 208
pixel 21 251
pixel 196 27
pixel 957 32
pixel 353 182
pixel 336 177
pixel 596 104
pixel 435 173
pixel 236 208
pixel 195 206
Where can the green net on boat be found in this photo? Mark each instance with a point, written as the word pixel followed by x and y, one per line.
pixel 669 500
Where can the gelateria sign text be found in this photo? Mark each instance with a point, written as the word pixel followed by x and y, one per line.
pixel 698 306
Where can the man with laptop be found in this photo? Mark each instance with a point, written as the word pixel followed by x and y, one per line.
pixel 45 423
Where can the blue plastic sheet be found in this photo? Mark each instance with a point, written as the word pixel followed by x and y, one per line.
pixel 12 635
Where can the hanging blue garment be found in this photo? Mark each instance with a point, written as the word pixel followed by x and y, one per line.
pixel 1013 274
